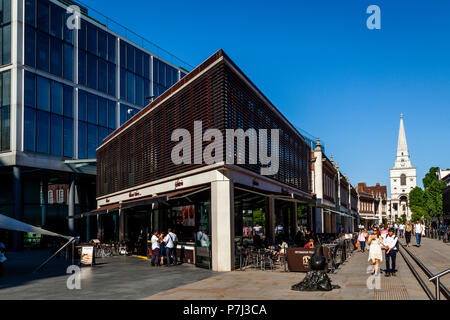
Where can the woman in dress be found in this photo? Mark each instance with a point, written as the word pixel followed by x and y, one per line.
pixel 375 242
pixel 408 231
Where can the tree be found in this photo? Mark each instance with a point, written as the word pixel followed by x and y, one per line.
pixel 430 177
pixel 417 204
pixel 433 198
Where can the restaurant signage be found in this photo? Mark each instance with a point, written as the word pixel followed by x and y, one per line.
pixel 298 258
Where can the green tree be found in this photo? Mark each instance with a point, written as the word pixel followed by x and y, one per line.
pixel 417 204
pixel 430 177
pixel 433 198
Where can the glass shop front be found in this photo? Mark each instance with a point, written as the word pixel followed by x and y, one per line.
pixel 188 215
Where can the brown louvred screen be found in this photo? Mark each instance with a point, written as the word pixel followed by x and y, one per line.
pixel 140 151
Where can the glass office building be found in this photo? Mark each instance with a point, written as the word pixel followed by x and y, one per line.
pixel 63 90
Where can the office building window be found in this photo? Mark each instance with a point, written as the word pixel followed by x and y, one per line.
pixel 164 76
pixel 48 40
pixel 96 119
pixel 134 74
pixel 5 114
pixel 96 59
pixel 48 115
pixel 5 32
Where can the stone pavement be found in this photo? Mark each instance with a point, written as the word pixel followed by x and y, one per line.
pixel 113 278
pixel 434 254
pixel 255 285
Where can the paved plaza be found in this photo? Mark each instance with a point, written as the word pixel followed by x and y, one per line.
pixel 262 285
pixel 134 278
pixel 112 278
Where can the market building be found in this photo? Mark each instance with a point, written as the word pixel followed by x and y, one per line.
pixel 63 90
pixel 211 206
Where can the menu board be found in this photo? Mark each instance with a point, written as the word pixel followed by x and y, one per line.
pixel 87 255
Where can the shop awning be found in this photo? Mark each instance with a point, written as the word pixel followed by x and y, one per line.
pixel 276 195
pixel 98 211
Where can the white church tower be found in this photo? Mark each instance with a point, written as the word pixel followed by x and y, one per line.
pixel 403 177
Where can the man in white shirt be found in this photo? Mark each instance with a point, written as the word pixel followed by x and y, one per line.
pixel 155 249
pixel 401 228
pixel 418 228
pixel 171 241
pixel 396 228
pixel 390 244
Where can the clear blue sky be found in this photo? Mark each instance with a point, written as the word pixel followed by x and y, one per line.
pixel 321 66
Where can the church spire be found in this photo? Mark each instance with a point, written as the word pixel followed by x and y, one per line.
pixel 402 147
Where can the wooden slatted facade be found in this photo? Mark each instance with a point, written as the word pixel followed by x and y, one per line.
pixel 222 97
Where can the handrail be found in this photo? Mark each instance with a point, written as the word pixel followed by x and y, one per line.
pixel 440 274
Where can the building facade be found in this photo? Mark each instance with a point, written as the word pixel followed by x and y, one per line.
pixel 403 178
pixel 214 207
pixel 336 208
pixel 63 91
pixel 374 203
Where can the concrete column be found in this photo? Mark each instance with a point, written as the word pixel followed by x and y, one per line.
pixel 88 228
pixel 270 233
pixel 294 219
pixel 121 225
pixel 18 206
pixel 319 219
pixel 222 225
pixel 71 201
pixel 44 203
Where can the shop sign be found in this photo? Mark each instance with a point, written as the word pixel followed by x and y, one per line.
pixel 178 183
pixel 133 194
pixel 203 252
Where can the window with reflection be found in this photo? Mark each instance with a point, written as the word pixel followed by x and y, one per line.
pixel 5 111
pixel 96 58
pixel 5 32
pixel 48 40
pixel 48 116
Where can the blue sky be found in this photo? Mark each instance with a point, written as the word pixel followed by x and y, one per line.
pixel 321 66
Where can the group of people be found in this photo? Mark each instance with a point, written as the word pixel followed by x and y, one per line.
pixel 164 245
pixel 377 239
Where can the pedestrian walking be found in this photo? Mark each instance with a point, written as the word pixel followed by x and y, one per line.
pixel 171 241
pixel 162 247
pixel 391 247
pixel 396 229
pixel 362 239
pixel 418 229
pixel 155 249
pixel 401 229
pixel 408 232
pixel 384 231
pixel 375 242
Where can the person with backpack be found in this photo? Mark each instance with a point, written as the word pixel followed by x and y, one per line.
pixel 171 241
pixel 391 245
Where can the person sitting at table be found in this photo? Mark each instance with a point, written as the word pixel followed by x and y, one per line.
pixel 310 244
pixel 282 250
